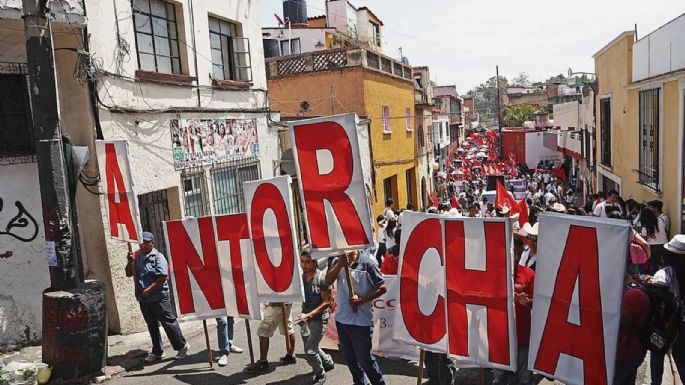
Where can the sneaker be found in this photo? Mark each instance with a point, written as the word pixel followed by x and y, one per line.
pixel 152 357
pixel 235 349
pixel 223 360
pixel 329 367
pixel 288 359
pixel 258 367
pixel 183 353
pixel 319 379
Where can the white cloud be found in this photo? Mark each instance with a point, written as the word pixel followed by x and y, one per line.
pixel 463 40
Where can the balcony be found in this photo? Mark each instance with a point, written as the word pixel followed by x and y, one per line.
pixel 63 11
pixel 336 59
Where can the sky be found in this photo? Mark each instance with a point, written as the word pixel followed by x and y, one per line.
pixel 462 41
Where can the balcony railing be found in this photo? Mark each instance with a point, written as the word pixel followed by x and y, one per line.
pixel 335 59
pixel 64 11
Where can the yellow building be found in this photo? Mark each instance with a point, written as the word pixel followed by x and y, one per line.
pixel 640 118
pixel 358 80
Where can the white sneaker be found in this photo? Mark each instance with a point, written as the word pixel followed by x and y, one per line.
pixel 183 353
pixel 235 349
pixel 223 360
pixel 152 357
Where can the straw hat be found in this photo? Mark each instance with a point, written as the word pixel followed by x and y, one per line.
pixel 676 244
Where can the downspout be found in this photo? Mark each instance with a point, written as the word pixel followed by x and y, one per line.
pixel 192 36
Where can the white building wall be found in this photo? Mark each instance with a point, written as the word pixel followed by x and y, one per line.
pixel 536 151
pixel 343 17
pixel 23 261
pixel 566 115
pixel 660 52
pixel 309 37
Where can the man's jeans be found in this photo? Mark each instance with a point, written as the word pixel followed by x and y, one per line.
pixel 656 361
pixel 440 369
pixel 355 343
pixel 224 333
pixel 160 312
pixel 523 375
pixel 315 356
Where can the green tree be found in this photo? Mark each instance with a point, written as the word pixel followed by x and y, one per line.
pixel 485 99
pixel 522 79
pixel 561 78
pixel 516 115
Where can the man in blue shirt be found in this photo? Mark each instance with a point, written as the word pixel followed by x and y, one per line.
pixel 149 270
pixel 354 315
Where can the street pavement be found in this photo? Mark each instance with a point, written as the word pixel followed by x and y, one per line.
pixel 125 364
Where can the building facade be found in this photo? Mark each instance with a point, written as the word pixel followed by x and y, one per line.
pixel 423 109
pixel 183 82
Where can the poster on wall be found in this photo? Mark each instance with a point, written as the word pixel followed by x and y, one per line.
pixel 197 142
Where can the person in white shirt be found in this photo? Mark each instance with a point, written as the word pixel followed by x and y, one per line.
pixel 612 200
pixel 657 208
pixel 654 232
pixel 389 213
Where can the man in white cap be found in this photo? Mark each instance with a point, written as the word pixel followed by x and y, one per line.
pixel 672 276
pixel 149 269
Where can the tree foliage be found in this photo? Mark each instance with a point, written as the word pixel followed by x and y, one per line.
pixel 485 99
pixel 522 79
pixel 516 115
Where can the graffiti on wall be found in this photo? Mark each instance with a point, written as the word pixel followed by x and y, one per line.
pixel 19 210
pixel 21 226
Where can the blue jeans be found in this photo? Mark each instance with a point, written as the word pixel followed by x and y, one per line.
pixel 523 375
pixel 224 333
pixel 316 357
pixel 355 343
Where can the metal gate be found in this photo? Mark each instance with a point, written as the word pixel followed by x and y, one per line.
pixel 154 210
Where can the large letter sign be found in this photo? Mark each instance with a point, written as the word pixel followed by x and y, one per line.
pixel 117 186
pixel 195 269
pixel 270 216
pixel 479 292
pixel 331 178
pixel 421 284
pixel 456 276
pixel 578 291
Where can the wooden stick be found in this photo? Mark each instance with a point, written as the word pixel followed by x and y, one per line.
pixel 422 355
pixel 348 278
pixel 285 327
pixel 670 362
pixel 209 350
pixel 482 376
pixel 249 341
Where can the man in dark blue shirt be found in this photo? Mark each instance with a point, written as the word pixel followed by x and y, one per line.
pixel 149 270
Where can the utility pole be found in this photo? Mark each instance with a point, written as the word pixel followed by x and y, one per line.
pixel 499 115
pixel 332 101
pixel 74 323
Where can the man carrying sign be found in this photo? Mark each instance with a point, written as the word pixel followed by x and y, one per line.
pixel 150 270
pixel 354 315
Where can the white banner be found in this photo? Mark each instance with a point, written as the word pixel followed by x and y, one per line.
pixel 269 206
pixel 332 184
pixel 117 187
pixel 580 260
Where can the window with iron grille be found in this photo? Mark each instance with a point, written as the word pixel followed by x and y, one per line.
pixel 195 194
pixel 156 36
pixel 386 120
pixel 649 138
pixel 230 52
pixel 16 125
pixel 605 129
pixel 227 183
pixel 419 137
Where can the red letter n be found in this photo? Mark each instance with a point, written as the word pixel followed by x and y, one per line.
pixel 185 257
pixel 117 200
pixel 579 266
pixel 426 329
pixel 474 287
pixel 331 187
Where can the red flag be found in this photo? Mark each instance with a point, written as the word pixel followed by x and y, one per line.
pixel 434 199
pixel 504 199
pixel 455 203
pixel 523 212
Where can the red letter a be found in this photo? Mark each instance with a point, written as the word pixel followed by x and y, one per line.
pixel 579 263
pixel 119 212
pixel 330 187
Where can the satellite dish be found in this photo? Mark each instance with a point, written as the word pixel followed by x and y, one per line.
pixel 288 163
pixel 304 106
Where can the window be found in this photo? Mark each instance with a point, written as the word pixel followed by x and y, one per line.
pixel 605 129
pixel 227 182
pixel 295 47
pixel 419 137
pixel 156 36
pixel 195 194
pixel 386 120
pixel 407 113
pixel 16 137
pixel 390 189
pixel 649 138
pixel 230 53
pixel 374 34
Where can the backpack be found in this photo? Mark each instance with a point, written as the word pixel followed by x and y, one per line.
pixel 663 320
